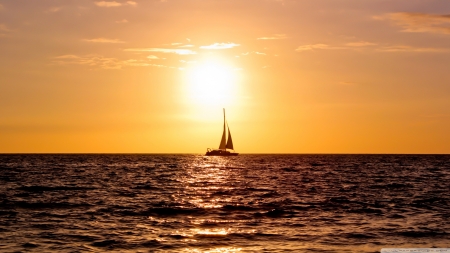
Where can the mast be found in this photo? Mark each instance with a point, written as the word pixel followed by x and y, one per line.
pixel 224 137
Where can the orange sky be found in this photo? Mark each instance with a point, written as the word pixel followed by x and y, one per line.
pixel 296 76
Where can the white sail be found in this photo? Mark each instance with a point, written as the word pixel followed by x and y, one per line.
pixel 223 141
pixel 230 141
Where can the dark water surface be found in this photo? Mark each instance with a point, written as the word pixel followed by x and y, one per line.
pixel 249 203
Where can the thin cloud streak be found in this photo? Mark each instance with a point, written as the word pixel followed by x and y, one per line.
pixel 114 3
pixel 360 44
pixel 220 46
pixel 357 46
pixel 108 4
pixel 274 37
pixel 101 62
pixel 162 50
pixel 311 47
pixel 103 40
pixel 412 49
pixel 419 22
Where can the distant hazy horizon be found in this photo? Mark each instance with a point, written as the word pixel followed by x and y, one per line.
pixel 294 76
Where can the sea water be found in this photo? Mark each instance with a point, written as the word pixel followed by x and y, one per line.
pixel 248 203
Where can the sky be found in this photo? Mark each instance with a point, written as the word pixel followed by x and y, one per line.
pixel 295 76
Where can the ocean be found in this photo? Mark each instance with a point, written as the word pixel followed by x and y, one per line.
pixel 248 203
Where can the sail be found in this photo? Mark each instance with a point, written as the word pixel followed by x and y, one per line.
pixel 224 138
pixel 230 141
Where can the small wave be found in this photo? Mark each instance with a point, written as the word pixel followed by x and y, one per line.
pixel 37 188
pixel 150 243
pixel 144 187
pixel 105 243
pixel 366 210
pixel 46 205
pixel 360 235
pixel 422 233
pixel 238 207
pixel 30 245
pixel 172 211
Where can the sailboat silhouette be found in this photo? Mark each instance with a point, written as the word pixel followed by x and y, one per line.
pixel 224 143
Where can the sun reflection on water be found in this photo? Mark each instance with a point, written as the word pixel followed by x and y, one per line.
pixel 205 179
pixel 216 250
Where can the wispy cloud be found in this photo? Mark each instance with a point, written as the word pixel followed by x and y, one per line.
pixel 347 83
pixel 153 57
pixel 254 52
pixel 104 40
pixel 360 44
pixel 274 37
pixel 108 4
pixel 101 62
pixel 114 3
pixel 401 48
pixel 162 50
pixel 123 21
pixel 220 46
pixel 311 47
pixel 364 45
pixel 419 22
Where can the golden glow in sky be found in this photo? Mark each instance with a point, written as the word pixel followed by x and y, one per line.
pixel 211 83
pixel 294 76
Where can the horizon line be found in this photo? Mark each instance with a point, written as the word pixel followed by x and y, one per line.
pixel 141 153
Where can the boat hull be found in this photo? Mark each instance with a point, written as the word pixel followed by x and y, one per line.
pixel 220 153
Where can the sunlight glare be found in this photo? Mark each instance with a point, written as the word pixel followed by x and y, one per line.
pixel 211 82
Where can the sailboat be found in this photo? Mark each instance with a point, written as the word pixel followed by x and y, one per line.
pixel 224 143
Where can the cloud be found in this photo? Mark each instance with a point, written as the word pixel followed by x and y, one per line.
pixel 122 21
pixel 254 52
pixel 114 3
pixel 419 22
pixel 402 48
pixel 220 46
pixel 108 4
pixel 153 57
pixel 371 46
pixel 162 50
pixel 101 62
pixel 274 37
pixel 347 83
pixel 314 46
pixel 103 40
pixel 360 44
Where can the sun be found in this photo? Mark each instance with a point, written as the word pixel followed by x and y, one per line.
pixel 211 82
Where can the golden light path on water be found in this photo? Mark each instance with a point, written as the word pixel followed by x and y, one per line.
pixel 205 177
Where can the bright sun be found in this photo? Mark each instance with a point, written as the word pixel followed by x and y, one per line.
pixel 211 82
